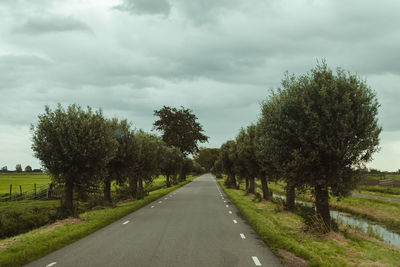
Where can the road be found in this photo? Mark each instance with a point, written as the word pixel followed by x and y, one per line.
pixel 196 225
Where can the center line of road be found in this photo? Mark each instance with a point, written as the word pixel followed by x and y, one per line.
pixel 242 236
pixel 256 261
pixel 230 212
pixel 234 221
pixel 51 264
pixel 126 222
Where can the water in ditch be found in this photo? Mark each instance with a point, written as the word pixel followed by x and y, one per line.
pixel 366 226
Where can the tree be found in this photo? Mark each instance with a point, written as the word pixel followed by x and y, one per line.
pixel 18 168
pixel 28 168
pixel 328 124
pixel 146 166
pixel 122 165
pixel 228 157
pixel 171 162
pixel 4 169
pixel 206 157
pixel 180 128
pixel 75 146
pixel 217 168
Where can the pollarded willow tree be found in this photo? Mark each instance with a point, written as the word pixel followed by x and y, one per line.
pixel 75 146
pixel 328 123
pixel 170 164
pixel 228 159
pixel 123 164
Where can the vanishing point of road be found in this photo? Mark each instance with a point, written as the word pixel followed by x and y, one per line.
pixel 196 225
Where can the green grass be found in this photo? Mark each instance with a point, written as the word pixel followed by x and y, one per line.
pixel 26 180
pixel 284 230
pixel 380 189
pixel 40 242
pixel 392 176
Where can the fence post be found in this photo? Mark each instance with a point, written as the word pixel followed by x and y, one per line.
pixel 20 190
pixel 35 190
pixel 10 191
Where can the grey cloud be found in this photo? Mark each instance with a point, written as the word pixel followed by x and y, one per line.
pixel 151 7
pixel 52 24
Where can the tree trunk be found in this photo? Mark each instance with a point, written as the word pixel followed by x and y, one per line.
pixel 133 186
pixel 232 181
pixel 140 188
pixel 68 198
pixel 182 176
pixel 290 196
pixel 264 186
pixel 107 192
pixel 247 184
pixel 252 188
pixel 174 181
pixel 322 203
pixel 167 181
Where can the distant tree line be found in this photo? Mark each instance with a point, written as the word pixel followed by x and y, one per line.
pixel 80 148
pixel 18 169
pixel 314 133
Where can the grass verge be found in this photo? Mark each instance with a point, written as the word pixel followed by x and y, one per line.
pixel 25 248
pixel 283 230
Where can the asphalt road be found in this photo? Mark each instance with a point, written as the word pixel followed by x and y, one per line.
pixel 195 225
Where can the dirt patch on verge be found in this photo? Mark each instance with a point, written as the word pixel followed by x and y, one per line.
pixel 6 244
pixel 69 220
pixel 291 260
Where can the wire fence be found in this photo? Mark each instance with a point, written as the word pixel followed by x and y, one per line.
pixel 44 191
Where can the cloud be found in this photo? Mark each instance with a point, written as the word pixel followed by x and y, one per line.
pixel 151 7
pixel 52 24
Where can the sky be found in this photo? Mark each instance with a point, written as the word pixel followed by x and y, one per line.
pixel 219 58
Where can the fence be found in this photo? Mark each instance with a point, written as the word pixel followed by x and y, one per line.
pixel 45 191
pixel 386 182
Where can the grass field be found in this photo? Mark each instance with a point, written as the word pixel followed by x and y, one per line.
pixel 26 180
pixel 24 248
pixel 395 177
pixel 284 232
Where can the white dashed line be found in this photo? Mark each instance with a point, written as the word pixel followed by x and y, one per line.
pixel 256 261
pixel 224 201
pixel 230 212
pixel 165 198
pixel 160 201
pixel 152 206
pixel 51 264
pixel 126 222
pixel 227 206
pixel 242 236
pixel 234 221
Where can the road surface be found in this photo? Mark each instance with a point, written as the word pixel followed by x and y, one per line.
pixel 196 225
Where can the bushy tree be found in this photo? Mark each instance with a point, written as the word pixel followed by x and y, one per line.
pixel 75 146
pixel 328 123
pixel 4 169
pixel 28 168
pixel 18 168
pixel 206 157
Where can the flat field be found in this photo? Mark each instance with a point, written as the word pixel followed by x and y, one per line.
pixel 26 180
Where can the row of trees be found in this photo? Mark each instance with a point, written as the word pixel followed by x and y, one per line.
pixel 314 133
pixel 83 149
pixel 18 168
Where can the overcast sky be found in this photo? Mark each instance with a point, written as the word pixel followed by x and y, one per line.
pixel 217 57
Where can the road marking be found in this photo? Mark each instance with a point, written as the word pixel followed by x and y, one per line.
pixel 230 212
pixel 126 222
pixel 51 264
pixel 227 206
pixel 234 221
pixel 256 261
pixel 224 201
pixel 152 206
pixel 242 236
pixel 165 198
pixel 160 201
